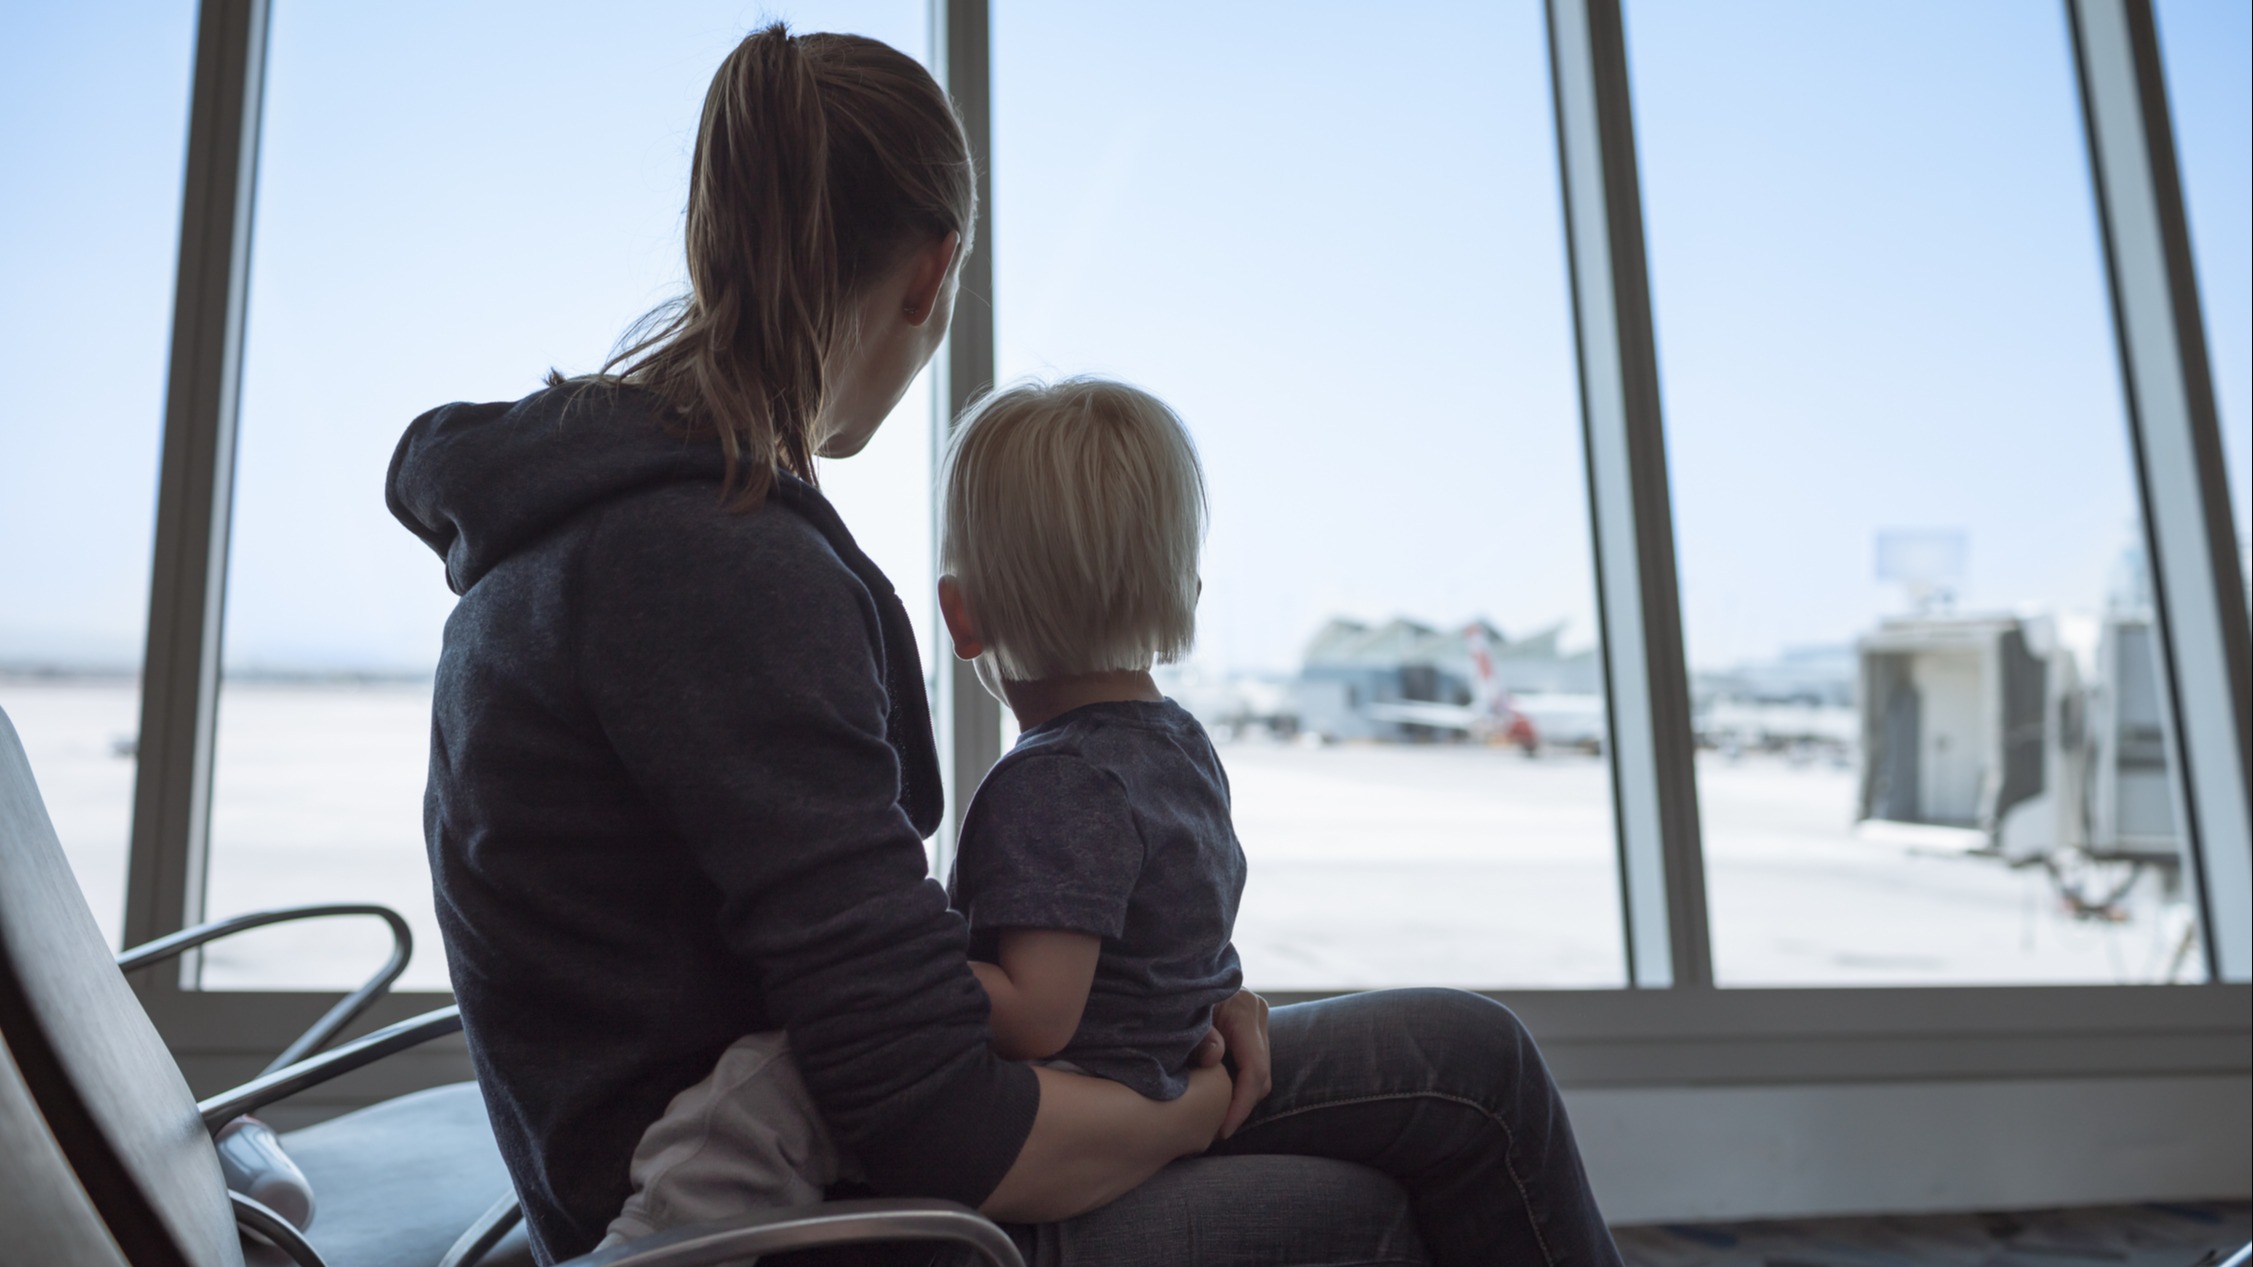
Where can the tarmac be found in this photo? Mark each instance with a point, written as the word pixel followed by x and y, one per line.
pixel 1369 865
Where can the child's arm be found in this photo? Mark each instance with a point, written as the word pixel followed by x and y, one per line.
pixel 1039 989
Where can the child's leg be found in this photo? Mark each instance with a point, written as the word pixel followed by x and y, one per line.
pixel 748 1137
pixel 1444 1091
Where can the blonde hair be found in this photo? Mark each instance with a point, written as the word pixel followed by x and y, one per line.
pixel 821 162
pixel 1074 513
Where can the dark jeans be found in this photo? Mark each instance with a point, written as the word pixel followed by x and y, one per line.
pixel 1406 1127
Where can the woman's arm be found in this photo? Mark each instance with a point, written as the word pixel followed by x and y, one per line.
pixel 1091 1145
pixel 734 669
pixel 1094 1141
pixel 756 726
pixel 1039 989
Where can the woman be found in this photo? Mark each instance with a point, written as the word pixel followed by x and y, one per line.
pixel 682 768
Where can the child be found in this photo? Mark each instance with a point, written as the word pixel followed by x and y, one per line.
pixel 1097 864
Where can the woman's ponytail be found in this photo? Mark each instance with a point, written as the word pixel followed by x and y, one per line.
pixel 821 161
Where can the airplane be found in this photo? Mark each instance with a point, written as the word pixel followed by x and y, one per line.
pixel 1497 715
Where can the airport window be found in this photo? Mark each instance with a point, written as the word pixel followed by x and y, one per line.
pixel 2208 51
pixel 451 200
pixel 1931 734
pixel 1918 617
pixel 89 235
pixel 1334 247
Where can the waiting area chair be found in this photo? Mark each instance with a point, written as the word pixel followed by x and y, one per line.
pixel 455 1167
pixel 107 1160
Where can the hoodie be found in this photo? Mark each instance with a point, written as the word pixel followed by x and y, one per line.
pixel 681 769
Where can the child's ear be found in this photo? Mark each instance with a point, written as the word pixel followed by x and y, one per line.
pixel 954 608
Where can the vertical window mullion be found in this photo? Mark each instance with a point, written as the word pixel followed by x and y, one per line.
pixel 171 803
pixel 1662 868
pixel 969 719
pixel 2177 440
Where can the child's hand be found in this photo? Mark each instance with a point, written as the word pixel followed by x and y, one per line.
pixel 1240 1031
pixel 1205 1103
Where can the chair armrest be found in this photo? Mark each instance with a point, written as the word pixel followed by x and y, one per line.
pixel 281 1083
pixel 347 1009
pixel 470 1248
pixel 809 1226
pixel 275 1228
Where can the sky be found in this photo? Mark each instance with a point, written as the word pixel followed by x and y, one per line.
pixel 1880 304
pixel 2207 46
pixel 1331 242
pixel 1335 248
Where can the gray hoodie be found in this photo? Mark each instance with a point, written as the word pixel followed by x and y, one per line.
pixel 681 769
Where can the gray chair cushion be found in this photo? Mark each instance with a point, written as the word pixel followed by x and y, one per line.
pixel 395 1183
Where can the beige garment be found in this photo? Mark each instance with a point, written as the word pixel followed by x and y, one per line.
pixel 746 1138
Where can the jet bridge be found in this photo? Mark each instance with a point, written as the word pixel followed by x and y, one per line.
pixel 1973 722
pixel 2041 754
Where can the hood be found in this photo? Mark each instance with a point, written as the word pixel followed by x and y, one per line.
pixel 479 482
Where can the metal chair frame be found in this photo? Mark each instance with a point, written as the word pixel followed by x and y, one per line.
pixel 698 1245
pixel 347 1009
pixel 250 1214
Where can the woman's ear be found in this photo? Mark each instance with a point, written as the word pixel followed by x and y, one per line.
pixel 927 272
pixel 955 610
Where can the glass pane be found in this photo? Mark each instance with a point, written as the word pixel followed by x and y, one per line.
pixel 1333 246
pixel 2208 52
pixel 95 119
pixel 514 204
pixel 1918 620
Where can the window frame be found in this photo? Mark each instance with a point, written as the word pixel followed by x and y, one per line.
pixel 2181 464
pixel 1671 1026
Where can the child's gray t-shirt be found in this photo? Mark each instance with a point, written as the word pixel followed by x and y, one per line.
pixel 1113 819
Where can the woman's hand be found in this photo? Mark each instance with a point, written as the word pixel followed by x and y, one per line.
pixel 1240 1029
pixel 1094 1140
pixel 1207 1105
